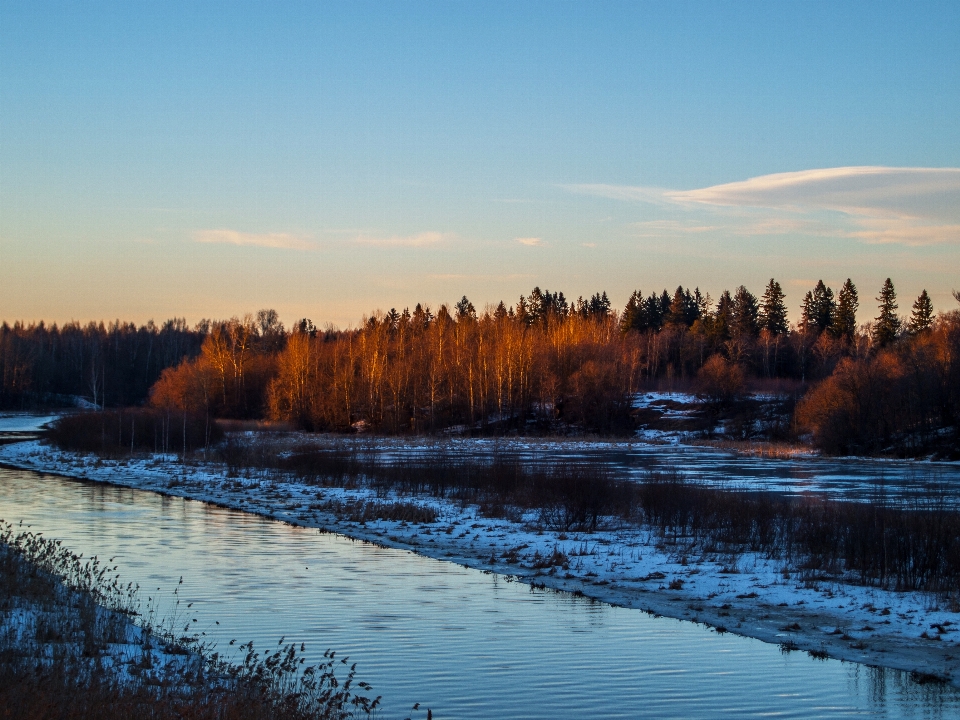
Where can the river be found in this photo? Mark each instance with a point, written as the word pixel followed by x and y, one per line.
pixel 465 643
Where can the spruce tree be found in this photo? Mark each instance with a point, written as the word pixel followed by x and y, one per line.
pixel 807 313
pixel 653 314
pixel 676 314
pixel 631 317
pixel 743 316
pixel 723 315
pixel 824 306
pixel 465 310
pixel 665 301
pixel 599 305
pixel 702 303
pixel 818 309
pixel 845 318
pixel 773 311
pixel 922 317
pixel 887 324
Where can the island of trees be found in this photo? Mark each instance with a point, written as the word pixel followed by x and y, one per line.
pixel 544 364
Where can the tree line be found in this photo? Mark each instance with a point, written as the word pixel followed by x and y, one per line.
pixel 544 360
pixel 112 364
pixel 525 367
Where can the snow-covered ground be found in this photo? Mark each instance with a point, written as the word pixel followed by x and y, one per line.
pixel 747 594
pixel 11 422
pixel 51 622
pixel 134 654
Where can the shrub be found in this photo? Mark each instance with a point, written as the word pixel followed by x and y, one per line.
pixel 720 381
pixel 115 432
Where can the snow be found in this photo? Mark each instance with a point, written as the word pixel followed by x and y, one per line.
pixel 125 648
pixel 747 594
pixel 23 422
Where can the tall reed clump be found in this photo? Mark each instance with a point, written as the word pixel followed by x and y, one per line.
pixel 69 649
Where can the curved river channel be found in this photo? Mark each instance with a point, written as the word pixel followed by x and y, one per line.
pixel 464 643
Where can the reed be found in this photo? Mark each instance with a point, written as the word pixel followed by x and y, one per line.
pixel 62 616
pixel 911 544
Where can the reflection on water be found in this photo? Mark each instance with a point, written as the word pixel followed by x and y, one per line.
pixel 467 644
pixel 858 478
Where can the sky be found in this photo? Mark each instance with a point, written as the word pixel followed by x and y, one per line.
pixel 203 160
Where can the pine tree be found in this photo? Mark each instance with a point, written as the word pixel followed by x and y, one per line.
pixel 807 313
pixel 773 311
pixel 702 302
pixel 631 317
pixel 922 316
pixel 599 305
pixel 845 318
pixel 535 306
pixel 683 310
pixel 818 309
pixel 887 324
pixel 743 316
pixel 524 316
pixel 722 317
pixel 665 301
pixel 422 317
pixel 465 310
pixel 824 306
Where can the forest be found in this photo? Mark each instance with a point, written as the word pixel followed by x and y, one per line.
pixel 543 365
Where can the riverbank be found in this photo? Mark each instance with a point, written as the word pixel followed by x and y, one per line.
pixel 75 643
pixel 746 594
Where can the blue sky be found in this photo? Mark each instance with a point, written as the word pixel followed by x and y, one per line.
pixel 327 159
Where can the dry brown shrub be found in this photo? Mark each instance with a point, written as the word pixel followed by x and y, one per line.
pixel 720 381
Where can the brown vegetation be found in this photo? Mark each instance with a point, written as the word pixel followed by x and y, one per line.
pixel 909 545
pixel 903 399
pixel 541 366
pixel 60 665
pixel 122 431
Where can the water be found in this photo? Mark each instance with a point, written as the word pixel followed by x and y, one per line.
pixel 465 643
pixel 849 478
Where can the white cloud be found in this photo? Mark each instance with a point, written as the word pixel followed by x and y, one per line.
pixel 662 228
pixel 852 190
pixel 418 240
pixel 909 206
pixel 284 241
pixel 531 241
pixel 622 192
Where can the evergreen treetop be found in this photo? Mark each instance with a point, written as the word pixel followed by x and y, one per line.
pixel 922 317
pixel 845 318
pixel 887 324
pixel 772 316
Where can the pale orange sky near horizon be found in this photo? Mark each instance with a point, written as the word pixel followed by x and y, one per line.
pixel 181 160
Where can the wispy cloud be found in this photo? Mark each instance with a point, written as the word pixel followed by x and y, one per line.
pixel 662 228
pixel 657 196
pixel 284 241
pixel 865 190
pixel 531 241
pixel 874 204
pixel 905 231
pixel 418 240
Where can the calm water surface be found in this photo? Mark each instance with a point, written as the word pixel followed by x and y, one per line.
pixel 851 478
pixel 465 643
